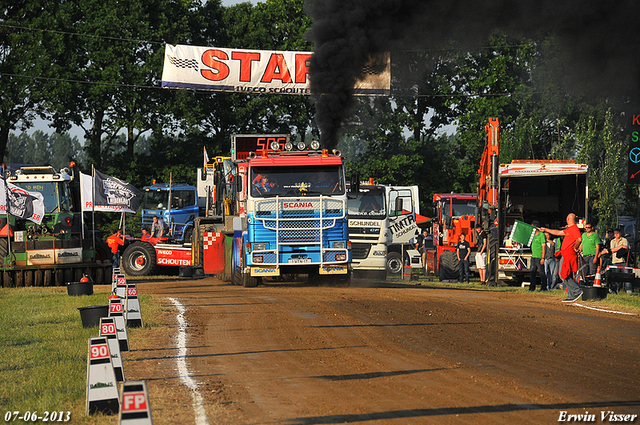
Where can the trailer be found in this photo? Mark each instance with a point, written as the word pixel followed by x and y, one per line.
pixel 525 190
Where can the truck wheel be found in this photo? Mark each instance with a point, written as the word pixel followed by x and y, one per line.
pixel 139 259
pixel 449 265
pixel 28 278
pixel 48 277
pixel 394 263
pixel 249 281
pixel 39 277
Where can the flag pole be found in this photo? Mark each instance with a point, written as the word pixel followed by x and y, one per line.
pixel 170 184
pixel 93 205
pixel 6 207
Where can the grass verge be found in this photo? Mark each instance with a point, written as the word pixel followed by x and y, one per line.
pixel 43 350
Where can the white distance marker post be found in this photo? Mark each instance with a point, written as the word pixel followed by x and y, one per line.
pixel 114 276
pixel 121 285
pixel 116 310
pixel 134 315
pixel 108 330
pixel 102 387
pixel 135 404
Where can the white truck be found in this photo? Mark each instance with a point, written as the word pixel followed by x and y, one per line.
pixel 382 222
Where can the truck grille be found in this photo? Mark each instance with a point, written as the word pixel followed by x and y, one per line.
pixel 360 251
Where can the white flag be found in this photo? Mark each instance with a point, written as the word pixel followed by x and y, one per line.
pixel 206 157
pixel 21 203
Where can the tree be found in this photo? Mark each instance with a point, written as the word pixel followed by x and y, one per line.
pixel 24 57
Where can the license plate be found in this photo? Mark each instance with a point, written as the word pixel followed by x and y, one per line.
pixel 299 260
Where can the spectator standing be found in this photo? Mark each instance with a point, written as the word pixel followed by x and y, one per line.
pixel 115 241
pixel 590 248
pixel 463 249
pixel 570 246
pixel 538 248
pixel 421 246
pixel 619 249
pixel 550 262
pixel 481 254
pixel 157 227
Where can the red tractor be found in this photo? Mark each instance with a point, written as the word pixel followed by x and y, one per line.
pixel 454 214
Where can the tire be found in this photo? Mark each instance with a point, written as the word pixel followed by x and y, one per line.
pixel 394 263
pixel 449 266
pixel 139 259
pixel 188 234
pixel 39 277
pixel 48 277
pixel 28 278
pixel 99 279
pixel 19 276
pixel 59 277
pixel 248 281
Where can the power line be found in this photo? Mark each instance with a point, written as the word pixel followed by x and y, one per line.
pixel 104 37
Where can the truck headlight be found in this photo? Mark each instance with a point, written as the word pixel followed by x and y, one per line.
pixel 380 253
pixel 339 245
pixel 259 246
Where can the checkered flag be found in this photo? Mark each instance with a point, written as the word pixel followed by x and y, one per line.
pixel 184 63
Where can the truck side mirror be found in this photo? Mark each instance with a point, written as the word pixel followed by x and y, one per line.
pixel 398 206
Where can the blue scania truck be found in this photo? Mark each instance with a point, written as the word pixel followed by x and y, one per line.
pixel 292 215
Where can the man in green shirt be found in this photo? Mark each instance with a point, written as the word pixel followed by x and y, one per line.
pixel 590 248
pixel 538 247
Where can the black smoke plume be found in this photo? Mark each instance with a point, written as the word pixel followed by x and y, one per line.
pixel 599 39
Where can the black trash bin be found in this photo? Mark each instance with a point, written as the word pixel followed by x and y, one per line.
pixel 79 288
pixel 91 315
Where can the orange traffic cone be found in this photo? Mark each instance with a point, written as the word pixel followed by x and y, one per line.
pixel 598 279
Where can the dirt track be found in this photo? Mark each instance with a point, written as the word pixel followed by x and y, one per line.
pixel 307 355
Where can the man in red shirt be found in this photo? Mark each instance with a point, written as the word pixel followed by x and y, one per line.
pixel 568 251
pixel 115 241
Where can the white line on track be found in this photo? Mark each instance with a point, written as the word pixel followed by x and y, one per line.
pixel 605 310
pixel 183 371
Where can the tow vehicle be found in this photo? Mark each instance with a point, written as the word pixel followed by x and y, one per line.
pixel 454 215
pixel 54 252
pixel 526 190
pixel 271 211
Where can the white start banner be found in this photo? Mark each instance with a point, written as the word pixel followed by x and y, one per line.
pixel 258 71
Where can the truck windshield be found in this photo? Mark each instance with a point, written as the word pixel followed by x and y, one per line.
pixel 460 207
pixel 368 204
pixel 296 181
pixel 56 195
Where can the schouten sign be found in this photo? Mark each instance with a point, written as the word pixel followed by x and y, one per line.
pixel 102 387
pixel 135 404
pixel 174 257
